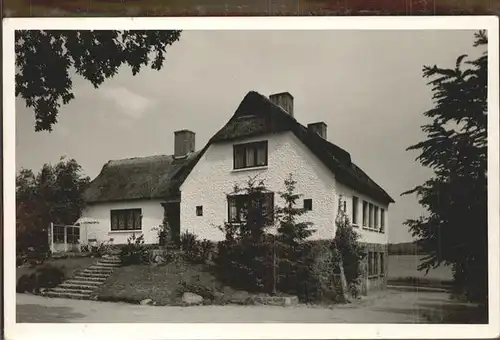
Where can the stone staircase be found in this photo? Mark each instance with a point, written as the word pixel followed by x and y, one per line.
pixel 85 282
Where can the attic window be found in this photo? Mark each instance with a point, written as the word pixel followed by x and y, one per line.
pixel 250 155
pixel 199 210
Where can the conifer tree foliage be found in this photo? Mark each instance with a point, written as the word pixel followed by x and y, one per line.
pixel 455 232
pixel 244 258
pixel 290 230
pixel 47 60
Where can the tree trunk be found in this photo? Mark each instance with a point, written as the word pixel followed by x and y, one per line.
pixel 343 283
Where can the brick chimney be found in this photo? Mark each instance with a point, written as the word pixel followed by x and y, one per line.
pixel 183 143
pixel 319 128
pixel 283 100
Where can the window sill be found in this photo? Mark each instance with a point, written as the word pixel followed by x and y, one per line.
pixel 263 167
pixel 373 230
pixel 124 231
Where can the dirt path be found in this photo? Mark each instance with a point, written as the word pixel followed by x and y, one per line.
pixel 393 307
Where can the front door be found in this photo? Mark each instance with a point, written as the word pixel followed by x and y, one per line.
pixel 173 215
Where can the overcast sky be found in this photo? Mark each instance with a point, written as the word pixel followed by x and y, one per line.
pixel 367 86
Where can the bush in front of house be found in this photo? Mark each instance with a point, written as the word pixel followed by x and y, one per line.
pixel 252 260
pixel 245 265
pixel 134 252
pixel 194 250
pixel 45 277
pixel 350 252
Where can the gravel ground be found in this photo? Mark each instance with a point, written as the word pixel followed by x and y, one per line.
pixel 394 306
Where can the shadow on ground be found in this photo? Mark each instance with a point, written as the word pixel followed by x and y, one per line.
pixel 443 312
pixel 37 313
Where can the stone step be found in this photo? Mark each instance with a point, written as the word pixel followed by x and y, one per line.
pixel 99 269
pixel 59 289
pixel 110 258
pixel 84 282
pixel 75 296
pixel 92 273
pixel 90 277
pixel 83 286
pixel 108 264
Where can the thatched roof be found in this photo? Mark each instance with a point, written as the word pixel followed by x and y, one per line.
pixel 159 177
pixel 155 177
pixel 258 115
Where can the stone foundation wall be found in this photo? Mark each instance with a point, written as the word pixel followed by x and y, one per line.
pixel 378 280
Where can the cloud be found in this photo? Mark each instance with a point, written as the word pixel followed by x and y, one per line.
pixel 129 103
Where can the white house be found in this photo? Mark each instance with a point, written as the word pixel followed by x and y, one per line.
pixel 192 189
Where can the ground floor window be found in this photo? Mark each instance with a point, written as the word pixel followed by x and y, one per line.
pixel 382 264
pixel 263 207
pixel 126 219
pixel 73 235
pixel 58 236
pixel 376 263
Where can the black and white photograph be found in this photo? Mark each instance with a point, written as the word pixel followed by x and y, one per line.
pixel 304 178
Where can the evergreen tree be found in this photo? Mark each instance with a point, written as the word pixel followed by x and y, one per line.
pixel 456 228
pixel 290 230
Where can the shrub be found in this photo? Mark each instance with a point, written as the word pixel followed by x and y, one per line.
pixel 350 251
pixel 45 277
pixel 21 259
pixel 35 256
pixel 245 265
pixel 163 232
pixel 49 277
pixel 26 283
pixel 85 248
pixel 309 271
pixel 134 252
pixel 102 248
pixel 196 251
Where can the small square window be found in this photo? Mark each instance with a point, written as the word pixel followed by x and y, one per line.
pixel 308 204
pixel 199 210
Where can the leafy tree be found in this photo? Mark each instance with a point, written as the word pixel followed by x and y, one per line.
pixel 291 231
pixel 52 195
pixel 456 228
pixel 46 59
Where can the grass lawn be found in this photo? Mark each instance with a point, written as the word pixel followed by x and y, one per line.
pixel 68 265
pixel 164 284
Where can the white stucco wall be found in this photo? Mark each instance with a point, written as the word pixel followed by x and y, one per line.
pixel 213 178
pixel 152 216
pixel 368 236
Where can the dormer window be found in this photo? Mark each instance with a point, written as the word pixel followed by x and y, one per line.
pixel 250 155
